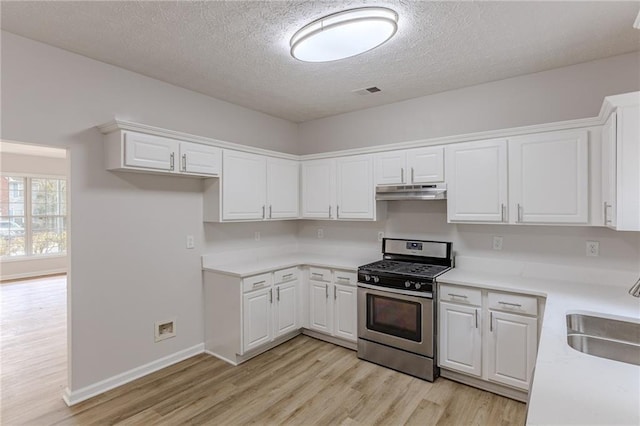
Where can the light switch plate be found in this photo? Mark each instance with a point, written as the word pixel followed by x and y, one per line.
pixel 380 235
pixel 320 233
pixel 191 243
pixel 256 235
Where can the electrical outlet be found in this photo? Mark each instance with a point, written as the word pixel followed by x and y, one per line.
pixel 256 235
pixel 190 242
pixel 165 329
pixel 497 243
pixel 320 233
pixel 593 248
pixel 380 235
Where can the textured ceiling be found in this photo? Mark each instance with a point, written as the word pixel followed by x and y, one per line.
pixel 238 50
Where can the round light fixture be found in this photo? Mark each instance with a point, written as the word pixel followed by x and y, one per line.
pixel 344 34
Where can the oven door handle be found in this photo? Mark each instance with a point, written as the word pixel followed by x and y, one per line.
pixel 423 295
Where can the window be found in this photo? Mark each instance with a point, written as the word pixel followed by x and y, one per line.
pixel 33 216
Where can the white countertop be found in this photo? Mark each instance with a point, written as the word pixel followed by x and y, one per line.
pixel 570 387
pixel 264 264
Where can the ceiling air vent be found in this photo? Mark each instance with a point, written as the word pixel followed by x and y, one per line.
pixel 367 91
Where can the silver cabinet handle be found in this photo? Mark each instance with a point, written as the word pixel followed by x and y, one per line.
pixel 278 294
pixel 285 276
pixel 329 211
pixel 326 291
pixel 263 214
pixel 270 295
pixel 606 206
pixel 502 212
pixel 402 175
pixel 172 158
pixel 259 283
pixel 412 177
pixel 343 278
pixel 458 295
pixel 184 162
pixel 515 305
pixel 519 213
pixel 335 293
pixel 270 215
pixel 476 311
pixel 316 274
pixel 490 321
pixel 337 212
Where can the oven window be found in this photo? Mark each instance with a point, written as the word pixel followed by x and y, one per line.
pixel 396 317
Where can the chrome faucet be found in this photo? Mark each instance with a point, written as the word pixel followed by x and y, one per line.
pixel 635 289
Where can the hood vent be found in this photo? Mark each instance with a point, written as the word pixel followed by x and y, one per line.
pixel 411 192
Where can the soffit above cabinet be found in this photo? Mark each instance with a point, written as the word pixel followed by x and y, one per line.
pixel 239 51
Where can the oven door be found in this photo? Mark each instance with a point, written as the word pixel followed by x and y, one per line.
pixel 394 319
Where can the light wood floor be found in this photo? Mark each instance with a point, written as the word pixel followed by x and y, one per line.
pixel 304 381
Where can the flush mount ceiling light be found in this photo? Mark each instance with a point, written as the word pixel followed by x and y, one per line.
pixel 344 34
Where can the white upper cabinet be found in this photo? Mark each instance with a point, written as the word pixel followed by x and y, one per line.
pixel 621 166
pixel 341 188
pixel 426 165
pixel 477 181
pixel 253 187
pixel 283 188
pixel 318 189
pixel 140 152
pixel 200 159
pixel 355 197
pixel 150 152
pixel 413 166
pixel 549 178
pixel 243 186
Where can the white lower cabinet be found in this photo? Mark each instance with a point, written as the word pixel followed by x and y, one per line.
pixel 285 318
pixel 461 338
pixel 256 308
pixel 492 336
pixel 512 347
pixel 333 304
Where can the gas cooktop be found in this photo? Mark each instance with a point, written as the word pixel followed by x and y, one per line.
pixel 414 269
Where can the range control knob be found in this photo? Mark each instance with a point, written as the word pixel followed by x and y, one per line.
pixel 367 277
pixel 375 279
pixel 418 286
pixel 407 284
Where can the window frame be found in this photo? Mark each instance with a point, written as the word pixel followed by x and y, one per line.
pixel 28 217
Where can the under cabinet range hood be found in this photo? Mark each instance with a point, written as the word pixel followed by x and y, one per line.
pixel 411 192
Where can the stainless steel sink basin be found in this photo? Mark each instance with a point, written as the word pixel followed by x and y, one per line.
pixel 604 337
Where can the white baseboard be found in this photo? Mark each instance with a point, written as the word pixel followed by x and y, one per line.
pixel 227 360
pixel 33 274
pixel 76 396
pixel 331 339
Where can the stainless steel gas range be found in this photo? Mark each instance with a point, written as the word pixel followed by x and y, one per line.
pixel 396 306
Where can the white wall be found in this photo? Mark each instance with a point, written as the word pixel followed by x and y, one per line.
pixel 562 94
pixel 129 266
pixel 34 165
pixel 563 245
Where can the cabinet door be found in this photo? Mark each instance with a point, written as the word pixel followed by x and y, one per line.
pixel 283 177
pixel 460 338
pixel 150 152
pixel 319 307
pixel 256 318
pixel 513 344
pixel 345 306
pixel 356 198
pixel 285 311
pixel 548 178
pixel 391 168
pixel 426 165
pixel 243 186
pixel 609 168
pixel 318 189
pixel 200 159
pixel 477 181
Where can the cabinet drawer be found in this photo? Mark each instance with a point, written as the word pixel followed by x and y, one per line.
pixel 320 274
pixel 463 295
pixel 285 275
pixel 256 282
pixel 345 277
pixel 513 303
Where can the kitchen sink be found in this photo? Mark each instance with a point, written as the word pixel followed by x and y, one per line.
pixel 604 337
